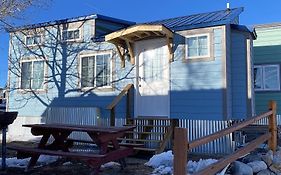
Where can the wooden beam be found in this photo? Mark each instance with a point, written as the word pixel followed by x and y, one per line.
pixel 121 52
pixel 119 97
pixel 157 33
pixel 139 28
pixel 219 165
pixel 170 48
pixel 228 130
pixel 131 52
pixel 272 142
pixel 180 151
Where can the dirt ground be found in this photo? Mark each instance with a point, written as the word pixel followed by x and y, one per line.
pixel 135 166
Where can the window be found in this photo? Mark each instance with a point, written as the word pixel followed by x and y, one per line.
pixel 32 74
pixel 266 77
pixel 33 40
pixel 96 70
pixel 197 46
pixel 70 35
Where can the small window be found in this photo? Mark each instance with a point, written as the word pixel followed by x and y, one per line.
pixel 197 46
pixel 96 70
pixel 266 77
pixel 70 35
pixel 32 74
pixel 33 40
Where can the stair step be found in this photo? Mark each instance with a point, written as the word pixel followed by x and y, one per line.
pixel 138 140
pixel 154 126
pixel 139 132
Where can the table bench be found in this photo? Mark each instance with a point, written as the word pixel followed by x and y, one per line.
pixel 60 146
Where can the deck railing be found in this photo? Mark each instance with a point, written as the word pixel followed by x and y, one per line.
pixel 126 91
pixel 182 146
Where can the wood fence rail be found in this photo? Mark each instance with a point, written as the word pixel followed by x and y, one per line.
pixel 182 146
pixel 126 91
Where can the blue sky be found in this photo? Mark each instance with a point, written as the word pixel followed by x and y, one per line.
pixel 255 12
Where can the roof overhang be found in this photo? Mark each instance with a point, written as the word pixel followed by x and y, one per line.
pixel 125 38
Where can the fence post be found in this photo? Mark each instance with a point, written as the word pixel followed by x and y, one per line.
pixel 180 151
pixel 112 117
pixel 272 124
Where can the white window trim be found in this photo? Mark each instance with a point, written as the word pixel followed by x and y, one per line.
pixel 263 77
pixel 44 73
pixel 95 54
pixel 32 45
pixel 69 40
pixel 198 35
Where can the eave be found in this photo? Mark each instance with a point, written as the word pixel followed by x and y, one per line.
pixel 125 38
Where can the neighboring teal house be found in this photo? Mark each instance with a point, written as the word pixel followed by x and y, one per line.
pixel 267 60
pixel 191 67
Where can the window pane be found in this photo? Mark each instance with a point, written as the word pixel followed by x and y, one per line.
pixel 64 35
pixel 29 40
pixel 258 78
pixel 76 34
pixel 88 73
pixel 38 75
pixel 26 75
pixel 271 77
pixel 203 46
pixel 102 73
pixel 192 47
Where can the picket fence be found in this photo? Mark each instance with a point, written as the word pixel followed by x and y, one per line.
pixel 196 128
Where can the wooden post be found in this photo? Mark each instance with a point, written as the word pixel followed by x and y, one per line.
pixel 174 123
pixel 112 117
pixel 272 124
pixel 128 104
pixel 180 151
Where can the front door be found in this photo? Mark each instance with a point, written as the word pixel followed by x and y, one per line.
pixel 152 82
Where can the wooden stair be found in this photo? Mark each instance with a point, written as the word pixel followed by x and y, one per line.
pixel 151 132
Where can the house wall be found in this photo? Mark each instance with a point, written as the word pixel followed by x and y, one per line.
pixel 62 88
pixel 267 50
pixel 197 87
pixel 239 74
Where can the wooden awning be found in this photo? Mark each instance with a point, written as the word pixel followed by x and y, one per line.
pixel 124 39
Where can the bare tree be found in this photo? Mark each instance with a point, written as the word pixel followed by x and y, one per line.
pixel 13 9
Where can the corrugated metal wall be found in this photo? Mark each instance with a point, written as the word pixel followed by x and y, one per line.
pixel 74 115
pixel 196 128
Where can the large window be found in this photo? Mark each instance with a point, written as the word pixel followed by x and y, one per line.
pixel 266 77
pixel 71 35
pixel 96 70
pixel 33 40
pixel 32 74
pixel 197 46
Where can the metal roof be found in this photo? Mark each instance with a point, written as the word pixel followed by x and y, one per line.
pixel 221 17
pixel 68 20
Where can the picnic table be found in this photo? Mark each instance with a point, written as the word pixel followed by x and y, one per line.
pixel 60 145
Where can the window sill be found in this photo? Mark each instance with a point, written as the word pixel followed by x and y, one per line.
pixel 97 89
pixel 36 91
pixel 198 59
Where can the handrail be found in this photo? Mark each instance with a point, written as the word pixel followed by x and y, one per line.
pixel 226 131
pixel 116 100
pixel 181 146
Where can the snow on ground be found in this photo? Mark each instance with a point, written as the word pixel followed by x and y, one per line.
pixel 22 163
pixel 163 164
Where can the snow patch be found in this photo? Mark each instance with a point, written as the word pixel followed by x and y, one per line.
pixel 110 165
pixel 22 163
pixel 163 164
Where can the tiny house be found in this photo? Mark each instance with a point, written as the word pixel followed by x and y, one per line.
pixel 191 67
pixel 267 60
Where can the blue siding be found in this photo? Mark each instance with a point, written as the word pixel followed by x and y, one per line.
pixel 196 88
pixel 63 84
pixel 239 75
